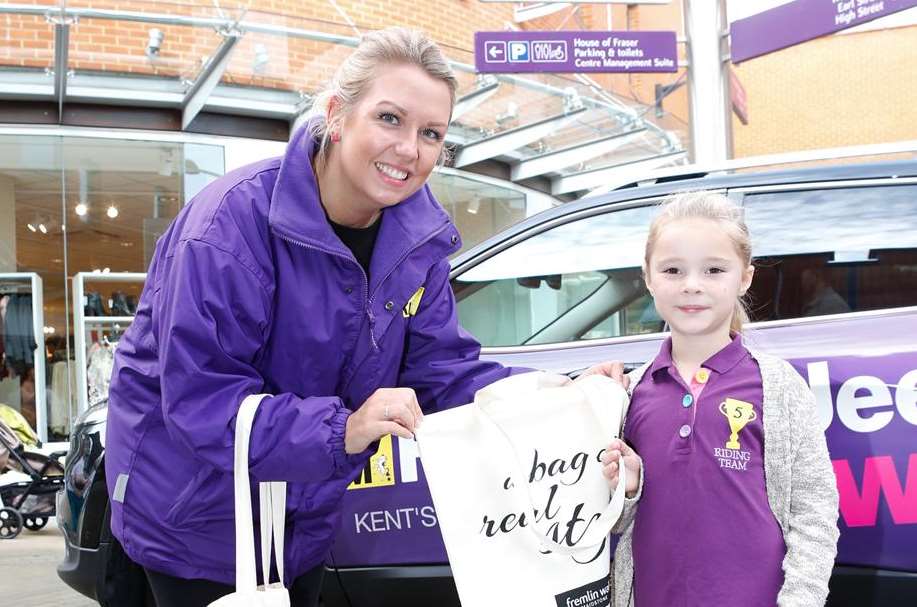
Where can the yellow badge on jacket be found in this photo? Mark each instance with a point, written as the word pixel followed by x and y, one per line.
pixel 410 308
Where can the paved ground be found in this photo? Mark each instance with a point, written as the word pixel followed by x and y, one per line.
pixel 28 576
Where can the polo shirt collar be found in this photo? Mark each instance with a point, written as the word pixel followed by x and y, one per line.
pixel 728 357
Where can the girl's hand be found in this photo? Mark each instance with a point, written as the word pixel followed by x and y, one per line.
pixel 616 453
pixel 611 368
pixel 388 411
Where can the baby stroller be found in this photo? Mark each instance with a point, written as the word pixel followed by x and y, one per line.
pixel 29 501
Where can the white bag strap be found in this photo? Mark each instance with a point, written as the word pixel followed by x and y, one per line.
pixel 273 513
pixel 597 395
pixel 273 507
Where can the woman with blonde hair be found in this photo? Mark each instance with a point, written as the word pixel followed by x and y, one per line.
pixel 320 278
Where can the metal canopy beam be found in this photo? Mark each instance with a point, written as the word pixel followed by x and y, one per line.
pixel 507 141
pixel 61 46
pixel 283 31
pixel 209 77
pixel 628 171
pixel 558 159
pixel 468 102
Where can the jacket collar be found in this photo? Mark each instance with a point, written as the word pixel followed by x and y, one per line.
pixel 296 212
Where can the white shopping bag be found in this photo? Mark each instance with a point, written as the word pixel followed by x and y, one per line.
pixel 517 484
pixel 273 506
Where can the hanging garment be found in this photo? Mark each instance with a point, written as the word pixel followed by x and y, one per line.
pixel 19 336
pixel 62 399
pixel 98 373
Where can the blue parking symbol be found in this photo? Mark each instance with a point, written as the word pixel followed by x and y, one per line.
pixel 518 51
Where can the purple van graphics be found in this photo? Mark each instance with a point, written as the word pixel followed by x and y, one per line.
pixel 867 405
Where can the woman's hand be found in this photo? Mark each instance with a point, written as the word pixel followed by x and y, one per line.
pixel 388 411
pixel 616 453
pixel 612 368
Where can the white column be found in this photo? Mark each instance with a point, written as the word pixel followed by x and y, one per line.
pixel 711 133
pixel 7 224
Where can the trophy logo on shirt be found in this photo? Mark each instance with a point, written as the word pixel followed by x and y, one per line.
pixel 738 413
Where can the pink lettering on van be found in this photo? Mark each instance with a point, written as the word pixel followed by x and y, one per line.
pixel 879 476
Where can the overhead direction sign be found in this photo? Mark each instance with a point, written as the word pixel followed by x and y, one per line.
pixel 575 51
pixel 802 20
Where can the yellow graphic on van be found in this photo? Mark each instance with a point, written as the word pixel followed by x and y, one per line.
pixel 410 308
pixel 379 470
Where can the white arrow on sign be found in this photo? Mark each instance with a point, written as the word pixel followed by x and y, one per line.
pixel 494 51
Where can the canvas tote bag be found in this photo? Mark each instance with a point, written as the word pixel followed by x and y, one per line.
pixel 273 510
pixel 516 481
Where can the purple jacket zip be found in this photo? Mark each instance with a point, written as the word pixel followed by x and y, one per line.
pixel 249 292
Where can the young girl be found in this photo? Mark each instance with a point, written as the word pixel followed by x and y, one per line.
pixel 738 502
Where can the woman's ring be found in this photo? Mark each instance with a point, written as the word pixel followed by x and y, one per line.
pixel 385 413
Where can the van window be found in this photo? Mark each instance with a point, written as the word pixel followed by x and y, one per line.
pixel 581 280
pixel 831 251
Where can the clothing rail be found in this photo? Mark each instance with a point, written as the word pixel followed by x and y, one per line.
pixel 83 324
pixel 38 328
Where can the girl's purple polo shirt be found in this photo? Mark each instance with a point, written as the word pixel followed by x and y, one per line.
pixel 704 533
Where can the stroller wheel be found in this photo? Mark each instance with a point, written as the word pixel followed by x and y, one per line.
pixel 10 523
pixel 35 523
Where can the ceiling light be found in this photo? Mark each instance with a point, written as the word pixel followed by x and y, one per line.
pixel 112 211
pixel 42 228
pixel 48 330
pixel 474 205
pixel 81 209
pixel 31 227
pixel 154 44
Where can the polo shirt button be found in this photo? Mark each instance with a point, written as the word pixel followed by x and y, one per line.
pixel 454 238
pixel 684 431
pixel 687 400
pixel 348 290
pixel 389 305
pixel 702 376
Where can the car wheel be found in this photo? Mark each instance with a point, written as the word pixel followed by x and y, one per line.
pixel 35 523
pixel 11 523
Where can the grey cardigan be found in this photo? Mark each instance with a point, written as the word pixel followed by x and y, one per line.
pixel 800 485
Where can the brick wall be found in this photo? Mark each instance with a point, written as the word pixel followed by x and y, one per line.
pixel 841 90
pixel 119 46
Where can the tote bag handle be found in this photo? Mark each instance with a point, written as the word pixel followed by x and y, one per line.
pixel 273 508
pixel 599 530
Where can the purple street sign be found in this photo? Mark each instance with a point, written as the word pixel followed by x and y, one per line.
pixel 803 20
pixel 579 51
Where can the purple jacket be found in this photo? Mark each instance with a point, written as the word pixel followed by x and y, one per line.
pixel 250 292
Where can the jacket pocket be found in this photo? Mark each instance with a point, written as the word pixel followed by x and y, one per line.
pixel 208 497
